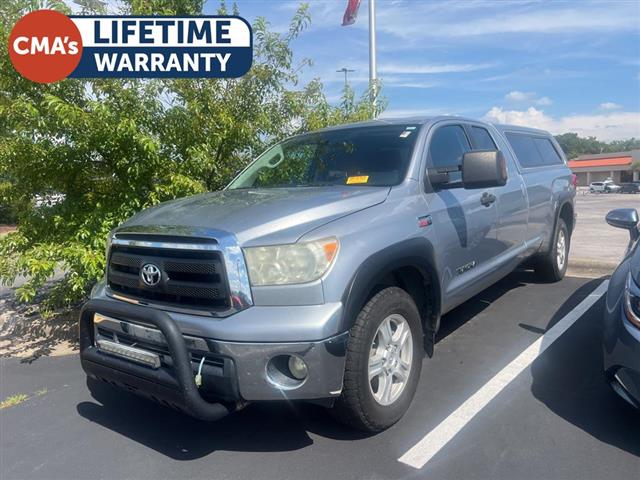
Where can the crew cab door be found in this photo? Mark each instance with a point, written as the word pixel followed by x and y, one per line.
pixel 537 157
pixel 465 223
pixel 513 212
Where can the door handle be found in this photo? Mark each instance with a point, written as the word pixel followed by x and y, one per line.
pixel 487 199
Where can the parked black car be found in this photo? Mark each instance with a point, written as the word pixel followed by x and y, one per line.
pixel 622 313
pixel 630 187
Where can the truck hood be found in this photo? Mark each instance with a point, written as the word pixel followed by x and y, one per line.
pixel 260 216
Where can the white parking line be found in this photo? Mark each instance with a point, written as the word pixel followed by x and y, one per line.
pixel 423 451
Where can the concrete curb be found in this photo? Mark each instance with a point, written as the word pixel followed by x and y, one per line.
pixel 589 267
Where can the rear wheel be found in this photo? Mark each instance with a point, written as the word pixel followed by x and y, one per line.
pixel 383 364
pixel 553 265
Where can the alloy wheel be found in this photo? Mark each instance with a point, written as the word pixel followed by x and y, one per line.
pixel 561 249
pixel 390 359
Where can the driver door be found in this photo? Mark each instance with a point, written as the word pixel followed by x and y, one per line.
pixel 465 225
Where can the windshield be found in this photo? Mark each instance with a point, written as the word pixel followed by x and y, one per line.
pixel 373 156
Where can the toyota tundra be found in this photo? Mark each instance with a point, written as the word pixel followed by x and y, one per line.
pixel 321 272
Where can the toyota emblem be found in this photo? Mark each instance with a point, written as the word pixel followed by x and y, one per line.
pixel 150 274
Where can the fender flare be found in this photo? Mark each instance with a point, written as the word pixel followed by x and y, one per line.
pixel 414 252
pixel 563 200
pixel 566 200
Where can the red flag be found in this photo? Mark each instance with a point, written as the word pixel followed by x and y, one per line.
pixel 351 13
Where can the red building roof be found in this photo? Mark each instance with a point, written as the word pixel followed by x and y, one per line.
pixel 601 162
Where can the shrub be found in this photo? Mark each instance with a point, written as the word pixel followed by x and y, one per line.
pixel 115 146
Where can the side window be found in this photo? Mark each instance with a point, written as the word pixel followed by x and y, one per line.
pixel 448 145
pixel 525 149
pixel 481 139
pixel 547 151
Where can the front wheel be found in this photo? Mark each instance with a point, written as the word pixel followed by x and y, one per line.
pixel 383 364
pixel 553 265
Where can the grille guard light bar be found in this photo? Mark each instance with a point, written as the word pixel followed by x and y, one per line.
pixel 134 354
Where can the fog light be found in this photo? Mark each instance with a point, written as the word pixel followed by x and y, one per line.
pixel 286 372
pixel 297 367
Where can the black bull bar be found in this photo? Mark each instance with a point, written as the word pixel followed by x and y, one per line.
pixel 178 387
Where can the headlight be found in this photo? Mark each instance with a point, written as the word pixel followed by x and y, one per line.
pixel 632 301
pixel 288 264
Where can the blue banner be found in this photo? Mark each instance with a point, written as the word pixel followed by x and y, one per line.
pixel 163 47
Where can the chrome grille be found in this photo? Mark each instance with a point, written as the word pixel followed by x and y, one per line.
pixel 193 279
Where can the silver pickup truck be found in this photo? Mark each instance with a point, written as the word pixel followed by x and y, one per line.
pixel 321 272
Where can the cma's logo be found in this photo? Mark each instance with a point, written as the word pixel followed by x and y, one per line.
pixel 150 274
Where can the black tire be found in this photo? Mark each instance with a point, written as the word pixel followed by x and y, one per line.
pixel 357 406
pixel 547 266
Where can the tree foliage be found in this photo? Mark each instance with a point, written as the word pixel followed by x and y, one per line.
pixel 574 145
pixel 115 146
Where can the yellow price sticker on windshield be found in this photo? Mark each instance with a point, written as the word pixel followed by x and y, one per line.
pixel 360 179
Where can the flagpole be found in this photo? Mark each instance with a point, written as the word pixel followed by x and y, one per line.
pixel 373 75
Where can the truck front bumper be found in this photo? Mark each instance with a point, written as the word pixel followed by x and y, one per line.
pixel 233 372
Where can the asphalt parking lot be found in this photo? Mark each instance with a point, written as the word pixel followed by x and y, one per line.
pixel 556 419
pixel 596 247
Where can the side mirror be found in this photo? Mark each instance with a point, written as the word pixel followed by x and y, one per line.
pixel 484 169
pixel 626 218
pixel 440 175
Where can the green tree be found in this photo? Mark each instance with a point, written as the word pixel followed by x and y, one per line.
pixel 115 146
pixel 574 145
pixel 624 145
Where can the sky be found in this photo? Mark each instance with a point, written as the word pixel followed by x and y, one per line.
pixel 558 65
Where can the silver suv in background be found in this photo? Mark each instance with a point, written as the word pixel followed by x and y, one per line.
pixel 608 186
pixel 322 271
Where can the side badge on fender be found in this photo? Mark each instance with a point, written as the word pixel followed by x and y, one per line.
pixel 424 221
pixel 465 268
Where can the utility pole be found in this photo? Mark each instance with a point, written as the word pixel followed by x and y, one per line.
pixel 346 71
pixel 373 75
